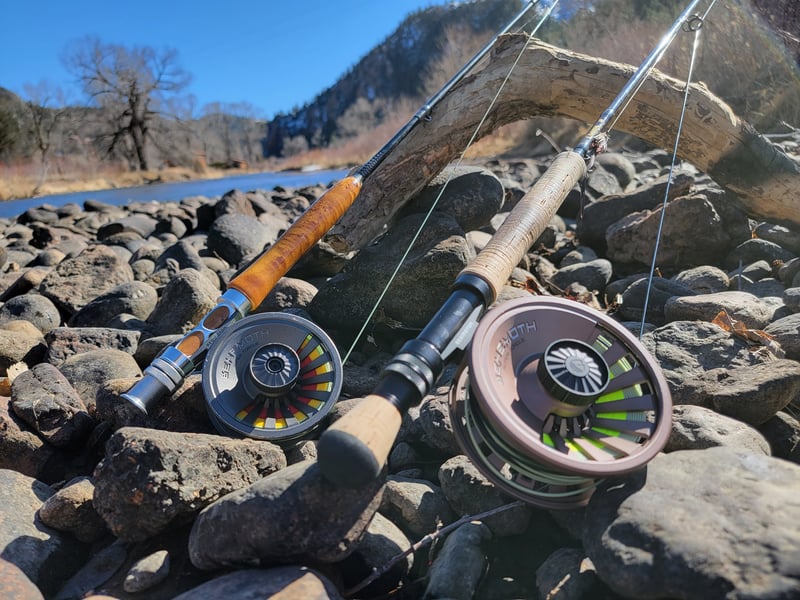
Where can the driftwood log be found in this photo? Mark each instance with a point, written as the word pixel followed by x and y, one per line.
pixel 550 81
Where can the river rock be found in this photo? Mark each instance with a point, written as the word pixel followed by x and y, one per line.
pixel 70 509
pixel 705 279
pixel 416 505
pixel 147 572
pixel 77 281
pixel 103 564
pixel 24 451
pixel 598 216
pixel 696 428
pixel 421 285
pixel 752 394
pixel 45 400
pixel 691 229
pixel 434 422
pixel 753 250
pixel 594 275
pixel 567 574
pixel 89 371
pixel 636 294
pixel 34 308
pixel 16 283
pixel 727 534
pixel 15 585
pixel 279 582
pixel 178 475
pixel 457 569
pixel 741 306
pixel 141 225
pixel 579 254
pixel 46 556
pixel 778 234
pixel 326 529
pixel 686 349
pixel 135 297
pixel 63 342
pixel 185 300
pixel 786 331
pixel 234 236
pixel 787 271
pixel 783 434
pixel 619 165
pixel 469 493
pixel 20 348
pixel 791 299
pixel 472 196
pixel 289 292
pixel 382 542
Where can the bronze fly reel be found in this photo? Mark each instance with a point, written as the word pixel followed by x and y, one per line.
pixel 553 396
pixel 271 376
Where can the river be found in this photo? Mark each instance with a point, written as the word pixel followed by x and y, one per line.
pixel 166 192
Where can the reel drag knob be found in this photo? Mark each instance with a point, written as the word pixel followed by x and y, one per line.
pixel 571 374
pixel 274 369
pixel 271 376
pixel 554 395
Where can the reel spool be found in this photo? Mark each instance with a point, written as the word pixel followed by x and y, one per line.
pixel 553 396
pixel 271 376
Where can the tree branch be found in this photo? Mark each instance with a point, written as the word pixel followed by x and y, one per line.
pixel 550 81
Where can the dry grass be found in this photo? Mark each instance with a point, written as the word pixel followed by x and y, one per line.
pixel 20 180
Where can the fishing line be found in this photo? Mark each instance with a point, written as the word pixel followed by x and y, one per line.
pixel 693 24
pixel 450 175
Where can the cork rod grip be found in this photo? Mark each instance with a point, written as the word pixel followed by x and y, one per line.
pixel 527 221
pixel 354 449
pixel 263 273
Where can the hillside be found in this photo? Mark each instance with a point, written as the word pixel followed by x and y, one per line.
pixel 403 68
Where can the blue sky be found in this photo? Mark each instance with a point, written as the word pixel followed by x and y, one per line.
pixel 274 54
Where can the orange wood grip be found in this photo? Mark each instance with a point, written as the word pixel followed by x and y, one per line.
pixel 263 273
pixel 527 221
pixel 353 450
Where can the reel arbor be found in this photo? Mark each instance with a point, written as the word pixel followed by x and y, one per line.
pixel 552 396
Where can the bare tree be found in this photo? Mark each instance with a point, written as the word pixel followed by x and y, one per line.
pixel 47 107
pixel 131 85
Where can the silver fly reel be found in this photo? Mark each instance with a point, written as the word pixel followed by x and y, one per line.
pixel 553 396
pixel 271 376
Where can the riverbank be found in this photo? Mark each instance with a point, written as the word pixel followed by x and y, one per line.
pixel 19 182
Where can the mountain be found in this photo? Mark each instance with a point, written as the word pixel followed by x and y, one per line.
pixel 399 68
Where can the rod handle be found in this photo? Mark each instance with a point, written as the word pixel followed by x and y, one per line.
pixel 526 222
pixel 353 450
pixel 261 275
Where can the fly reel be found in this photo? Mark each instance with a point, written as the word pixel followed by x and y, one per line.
pixel 553 396
pixel 271 376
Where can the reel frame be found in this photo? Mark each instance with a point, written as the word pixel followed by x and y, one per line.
pixel 271 376
pixel 547 441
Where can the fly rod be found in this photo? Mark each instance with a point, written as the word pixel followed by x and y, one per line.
pixel 556 395
pixel 248 289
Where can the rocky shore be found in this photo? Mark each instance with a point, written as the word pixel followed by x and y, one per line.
pixel 102 501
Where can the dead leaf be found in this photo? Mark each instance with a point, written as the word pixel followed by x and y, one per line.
pixel 754 337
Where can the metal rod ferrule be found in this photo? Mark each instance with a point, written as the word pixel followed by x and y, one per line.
pixel 167 371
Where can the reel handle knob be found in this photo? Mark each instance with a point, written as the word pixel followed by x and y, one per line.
pixel 353 450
